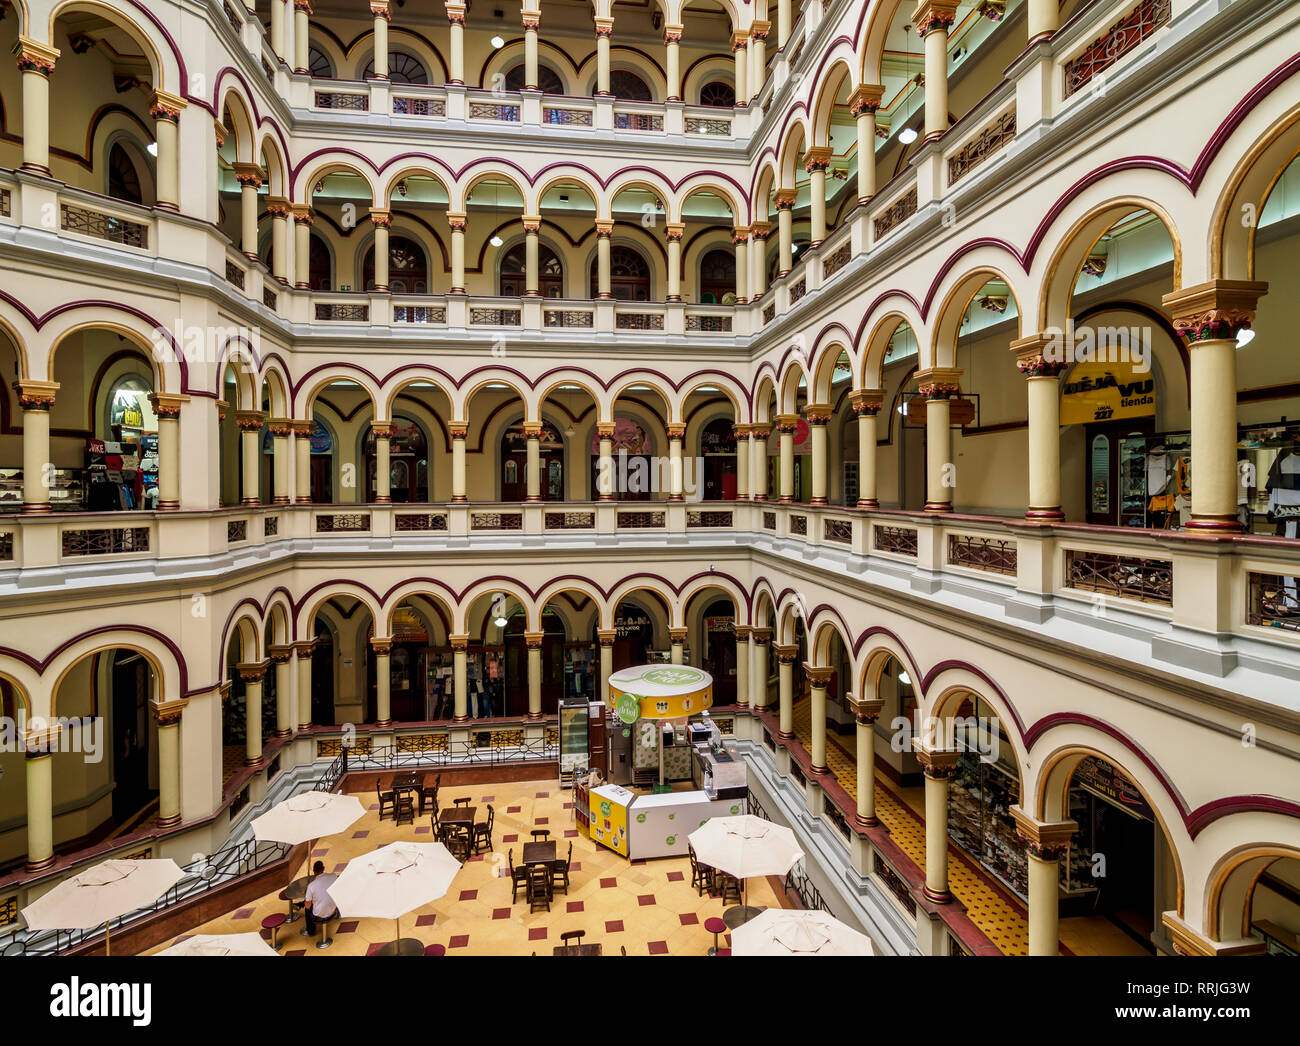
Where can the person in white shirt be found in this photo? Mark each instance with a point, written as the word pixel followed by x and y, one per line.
pixel 318 905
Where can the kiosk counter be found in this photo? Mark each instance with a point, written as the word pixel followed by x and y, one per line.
pixel 644 826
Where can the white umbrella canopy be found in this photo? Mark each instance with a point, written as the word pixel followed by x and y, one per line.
pixel 393 880
pixel 221 944
pixel 307 816
pixel 102 893
pixel 745 846
pixel 783 931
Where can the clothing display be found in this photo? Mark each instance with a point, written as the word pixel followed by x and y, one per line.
pixel 1283 485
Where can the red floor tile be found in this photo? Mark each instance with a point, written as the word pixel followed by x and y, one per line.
pixel 459 941
pixel 689 919
pixel 614 926
pixel 645 899
pixel 658 947
pixel 537 933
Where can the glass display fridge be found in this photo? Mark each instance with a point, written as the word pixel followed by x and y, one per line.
pixel 573 739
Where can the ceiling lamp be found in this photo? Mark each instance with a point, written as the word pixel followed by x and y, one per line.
pixel 908 134
pixel 495 240
pixel 497 42
pixel 152 148
pixel 1244 337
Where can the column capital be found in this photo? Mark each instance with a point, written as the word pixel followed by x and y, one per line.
pixel 739 40
pixel 818 676
pixel 866 99
pixel 1214 311
pixel 758 29
pixel 741 431
pixel 868 401
pixel 866 712
pixel 739 235
pixel 249 420
pixel 381 645
pixel 381 218
pixel 939 764
pixel 166 106
pixel 533 430
pixel 674 231
pixel 36 395
pixel 456 13
pixel 1048 841
pixel 303 647
pixel 459 644
pixel 382 429
pixel 379 9
pixel 605 430
pixel 281 428
pixel 458 429
pixel 248 174
pixel 303 214
pixel 761 636
pixel 252 671
pixel 168 713
pixel 303 429
pixel 456 220
pixel 533 640
pixel 167 405
pixel 604 228
pixel 606 636
pixel 742 633
pixel 785 199
pixel 532 223
pixel 759 431
pixel 785 654
pixel 673 34
pixel 939 383
pixel 818 413
pixel 304 6
pixel 34 56
pixel 280 653
pixel 931 15
pixel 530 20
pixel 677 635
pixel 677 430
pixel 817 159
pixel 787 423
pixel 1040 356
pixel 604 27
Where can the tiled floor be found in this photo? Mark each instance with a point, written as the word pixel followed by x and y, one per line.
pixel 1002 920
pixel 649 908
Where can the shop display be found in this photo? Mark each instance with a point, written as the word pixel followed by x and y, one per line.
pixel 1155 481
pixel 573 739
pixel 581 671
pixel 67 490
pixel 639 826
pixel 114 479
pixel 980 797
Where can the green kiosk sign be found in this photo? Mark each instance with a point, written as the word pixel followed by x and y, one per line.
pixel 628 708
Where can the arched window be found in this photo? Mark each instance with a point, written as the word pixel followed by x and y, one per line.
pixel 718 277
pixel 547 79
pixel 318 64
pixel 408 269
pixel 629 86
pixel 123 179
pixel 629 275
pixel 402 69
pixel 408 462
pixel 719 94
pixel 550 272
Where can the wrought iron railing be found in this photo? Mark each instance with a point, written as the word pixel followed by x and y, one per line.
pixel 568 318
pixel 419 107
pixel 566 117
pixel 336 310
pixel 1125 577
pixel 342 100
pixel 569 520
pixel 236 530
pixel 899 540
pixel 639 520
pixel 1122 37
pixel 494 111
pixel 639 321
pixel 419 314
pixel 84 221
pixel 708 518
pixel 837 530
pixel 496 521
pixel 406 522
pixel 476 750
pixel 342 522
pixel 896 213
pixel 6 203
pixel 799 289
pixel 708 324
pixel 495 317
pixel 700 125
pixel 638 122
pixel 893 882
pixel 982 146
pixel 234 274
pixel 799 526
pixel 835 261
pixel 270 526
pixel 993 555
pixel 105 541
pixel 1273 601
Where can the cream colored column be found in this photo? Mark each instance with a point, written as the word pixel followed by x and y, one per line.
pixel 760 640
pixel 743 657
pixel 301 36
pixel 933 19
pixel 741 435
pixel 460 678
pixel 866 405
pixel 167 408
pixel 303 218
pixel 302 651
pixel 249 177
pixel 1044 18
pixel 533 461
pixel 531 22
pixel 302 431
pixel 384 681
pixel 1042 381
pixel 459 433
pixel 532 229
pixel 281 429
pixel 1210 316
pixel 604 230
pixel 759 232
pixel 864 103
pixel 456 222
pixel 785 200
pixel 673 233
pixel 740 54
pixel 381 14
pixel 36 61
pixel 604 30
pixel 40 804
pixel 382 221
pixel 785 658
pixel 279 210
pixel 672 61
pixel 740 241
pixel 758 462
pixel 676 433
pixel 456 44
pixel 817 161
pixel 277 29
pixel 36 400
pixel 383 468
pixel 819 679
pixel 938 386
pixel 758 57
pixel 533 643
pixel 1045 845
pixel 252 673
pixel 284 710
pixel 168 718
pixel 677 645
pixel 606 636
pixel 938 767
pixel 783 22
pixel 166 113
pixel 865 713
pixel 786 424
pixel 250 424
pixel 605 470
pixel 819 418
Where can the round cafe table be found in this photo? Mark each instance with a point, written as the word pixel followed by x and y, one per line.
pixel 739 915
pixel 402 946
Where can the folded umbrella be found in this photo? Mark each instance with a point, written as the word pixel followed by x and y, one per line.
pixel 221 944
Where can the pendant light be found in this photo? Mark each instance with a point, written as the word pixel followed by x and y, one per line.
pixel 908 134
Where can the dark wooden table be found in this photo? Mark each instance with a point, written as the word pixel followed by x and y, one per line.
pixel 539 853
pixel 407 781
pixel 576 949
pixel 462 816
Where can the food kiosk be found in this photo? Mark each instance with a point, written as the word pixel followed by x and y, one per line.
pixel 654 700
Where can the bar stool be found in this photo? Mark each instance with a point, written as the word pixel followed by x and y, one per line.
pixel 324 940
pixel 273 923
pixel 715 926
pixel 435 949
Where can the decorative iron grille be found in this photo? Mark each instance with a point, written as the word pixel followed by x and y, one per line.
pixel 494 317
pixel 893 882
pixel 837 530
pixel 268 71
pixel 899 540
pixel 342 522
pixel 799 526
pixel 233 17
pixel 769 520
pixel 569 520
pixel 699 125
pixel 419 314
pixel 1120 39
pixel 422 742
pixel 6 546
pixel 1272 600
pixel 1126 577
pixel 102 226
pixel 6 203
pixel 417 521
pixel 491 111
pixel 837 260
pixel 336 310
pixel 236 530
pixel 270 526
pixel 496 521
pixel 708 518
pixel 896 213
pixel 269 298
pixel 993 555
pixel 566 117
pixel 982 146
pixel 769 312
pixel 567 318
pixel 105 541
pixel 339 100
pixel 708 324
pixel 639 520
pixel 638 122
pixel 419 107
pixel 234 274
pixel 799 289
pixel 832 813
pixel 639 321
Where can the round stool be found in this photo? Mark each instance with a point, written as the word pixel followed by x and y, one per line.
pixel 723 951
pixel 435 949
pixel 715 926
pixel 273 923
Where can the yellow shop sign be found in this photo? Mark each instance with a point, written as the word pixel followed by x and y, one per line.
pixel 1096 391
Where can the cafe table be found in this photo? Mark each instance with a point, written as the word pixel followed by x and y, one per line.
pixel 459 817
pixel 576 949
pixel 539 853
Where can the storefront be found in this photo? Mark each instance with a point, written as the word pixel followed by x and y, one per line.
pixel 514 463
pixel 633 449
pixel 718 449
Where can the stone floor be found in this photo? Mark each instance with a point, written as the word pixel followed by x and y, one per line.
pixel 646 907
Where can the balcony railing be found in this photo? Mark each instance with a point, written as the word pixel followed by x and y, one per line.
pixel 1122 37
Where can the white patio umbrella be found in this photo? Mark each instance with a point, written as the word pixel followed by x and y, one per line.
pixel 784 931
pixel 306 817
pixel 221 944
pixel 390 882
pixel 102 893
pixel 743 846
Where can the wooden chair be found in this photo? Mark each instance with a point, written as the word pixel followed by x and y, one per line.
pixel 701 874
pixel 404 809
pixel 464 800
pixel 483 832
pixel 540 835
pixel 572 937
pixel 518 878
pixel 386 799
pixel 539 888
pixel 560 871
pixel 429 791
pixel 727 886
pixel 457 843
